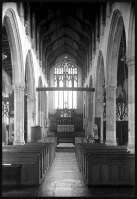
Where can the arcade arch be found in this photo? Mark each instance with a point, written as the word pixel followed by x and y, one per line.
pixel 113 50
pixel 17 67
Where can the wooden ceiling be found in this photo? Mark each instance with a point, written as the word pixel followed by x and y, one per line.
pixel 66 28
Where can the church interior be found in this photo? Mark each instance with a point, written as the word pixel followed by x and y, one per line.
pixel 68 99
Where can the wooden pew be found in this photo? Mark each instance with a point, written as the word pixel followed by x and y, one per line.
pixel 105 165
pixel 24 149
pixel 85 149
pixel 30 166
pixel 42 147
pixel 46 152
pixel 11 174
pixel 50 151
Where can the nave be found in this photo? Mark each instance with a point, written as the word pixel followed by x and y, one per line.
pixel 64 179
pixel 68 76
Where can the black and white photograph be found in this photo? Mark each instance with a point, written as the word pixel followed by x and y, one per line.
pixel 68 99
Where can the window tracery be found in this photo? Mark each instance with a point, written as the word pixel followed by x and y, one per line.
pixel 66 75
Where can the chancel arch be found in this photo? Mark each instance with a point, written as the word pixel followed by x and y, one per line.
pixel 65 106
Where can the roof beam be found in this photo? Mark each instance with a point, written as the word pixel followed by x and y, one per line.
pixel 65 89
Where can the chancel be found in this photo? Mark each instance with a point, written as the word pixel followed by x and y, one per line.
pixel 68 99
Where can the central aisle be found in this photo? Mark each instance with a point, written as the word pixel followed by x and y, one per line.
pixel 63 178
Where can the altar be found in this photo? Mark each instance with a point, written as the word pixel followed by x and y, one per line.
pixel 65 128
pixel 65 134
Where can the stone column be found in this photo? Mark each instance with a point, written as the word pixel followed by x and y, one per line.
pixel 34 111
pixel 42 115
pixel 86 113
pixel 90 113
pixel 18 115
pixel 41 108
pixel 99 113
pixel 111 115
pixel 30 110
pixel 38 109
pixel 131 104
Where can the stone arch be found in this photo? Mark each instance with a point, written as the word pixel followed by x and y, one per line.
pixel 11 25
pixel 116 30
pixel 31 94
pixel 113 46
pixel 12 29
pixel 99 94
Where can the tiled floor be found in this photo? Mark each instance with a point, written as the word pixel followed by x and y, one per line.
pixel 64 179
